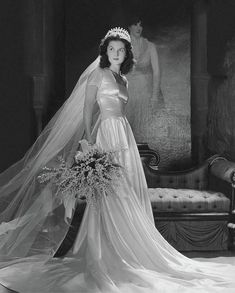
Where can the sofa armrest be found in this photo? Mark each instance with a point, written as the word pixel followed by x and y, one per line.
pixel 194 178
pixel 224 170
pixel 148 156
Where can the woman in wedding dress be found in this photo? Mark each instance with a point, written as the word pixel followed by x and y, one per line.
pixel 118 249
pixel 144 83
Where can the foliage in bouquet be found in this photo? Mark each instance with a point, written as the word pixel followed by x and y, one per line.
pixel 92 174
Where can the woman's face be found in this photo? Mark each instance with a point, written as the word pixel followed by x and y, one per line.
pixel 136 29
pixel 116 52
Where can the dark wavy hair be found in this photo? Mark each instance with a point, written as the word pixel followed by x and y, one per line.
pixel 133 20
pixel 128 62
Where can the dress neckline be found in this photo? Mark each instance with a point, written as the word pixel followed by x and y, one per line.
pixel 114 72
pixel 114 78
pixel 118 85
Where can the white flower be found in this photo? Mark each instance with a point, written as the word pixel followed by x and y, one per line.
pixel 78 156
pixel 93 174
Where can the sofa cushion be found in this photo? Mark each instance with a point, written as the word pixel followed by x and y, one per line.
pixel 187 200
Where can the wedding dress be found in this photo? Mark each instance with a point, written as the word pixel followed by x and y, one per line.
pixel 118 249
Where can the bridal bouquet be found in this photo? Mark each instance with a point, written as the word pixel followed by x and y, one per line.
pixel 92 174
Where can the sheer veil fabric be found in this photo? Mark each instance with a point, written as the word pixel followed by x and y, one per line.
pixel 32 220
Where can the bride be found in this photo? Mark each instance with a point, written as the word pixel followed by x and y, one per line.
pixel 118 248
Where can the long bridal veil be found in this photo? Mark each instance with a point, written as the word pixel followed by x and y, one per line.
pixel 32 220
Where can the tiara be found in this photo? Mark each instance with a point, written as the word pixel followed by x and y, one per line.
pixel 118 31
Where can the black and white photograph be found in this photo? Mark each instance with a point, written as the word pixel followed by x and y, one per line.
pixel 117 150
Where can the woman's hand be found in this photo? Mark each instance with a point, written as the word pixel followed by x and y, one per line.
pixel 157 100
pixel 86 145
pixel 157 93
pixel 91 141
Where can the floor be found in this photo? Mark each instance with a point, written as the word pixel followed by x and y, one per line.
pixel 191 254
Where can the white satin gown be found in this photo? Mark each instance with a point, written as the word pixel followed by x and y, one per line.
pixel 118 249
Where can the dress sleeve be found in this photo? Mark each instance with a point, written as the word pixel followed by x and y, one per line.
pixel 95 77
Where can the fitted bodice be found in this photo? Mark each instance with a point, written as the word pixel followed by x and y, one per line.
pixel 111 96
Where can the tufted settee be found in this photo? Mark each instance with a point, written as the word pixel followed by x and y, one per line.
pixel 194 209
